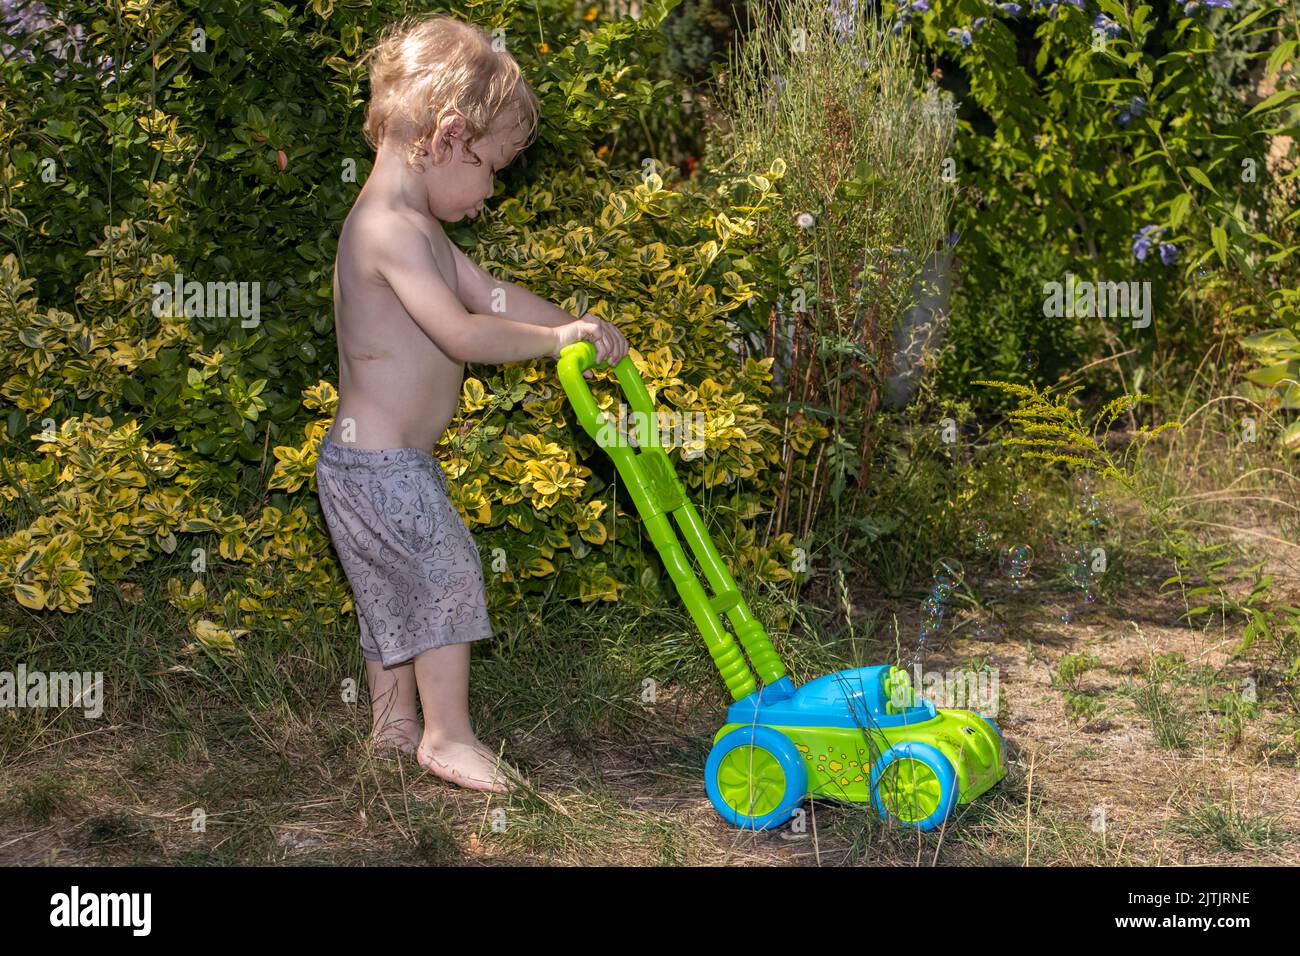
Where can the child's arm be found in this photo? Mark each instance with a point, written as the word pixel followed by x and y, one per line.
pixel 405 261
pixel 479 292
pixel 407 265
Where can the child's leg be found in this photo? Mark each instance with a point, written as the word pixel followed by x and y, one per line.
pixel 417 580
pixel 394 721
pixel 449 749
pixel 392 706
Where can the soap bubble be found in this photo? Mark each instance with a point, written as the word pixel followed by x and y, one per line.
pixel 1029 360
pixel 948 571
pixel 1016 561
pixel 983 540
pixel 948 574
pixel 987 628
pixel 1078 566
pixel 1085 481
pixel 928 630
pixel 1021 499
pixel 1096 511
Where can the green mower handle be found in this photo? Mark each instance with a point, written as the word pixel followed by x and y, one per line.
pixel 650 477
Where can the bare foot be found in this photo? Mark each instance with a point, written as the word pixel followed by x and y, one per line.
pixel 401 735
pixel 467 764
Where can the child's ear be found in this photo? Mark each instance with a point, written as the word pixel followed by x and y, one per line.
pixel 440 140
pixel 437 145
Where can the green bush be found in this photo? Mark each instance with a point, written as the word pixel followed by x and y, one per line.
pixel 230 156
pixel 1082 128
pixel 247 155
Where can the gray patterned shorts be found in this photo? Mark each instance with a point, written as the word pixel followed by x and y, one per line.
pixel 413 564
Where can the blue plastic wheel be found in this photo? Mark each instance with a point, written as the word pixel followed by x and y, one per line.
pixel 915 785
pixel 755 778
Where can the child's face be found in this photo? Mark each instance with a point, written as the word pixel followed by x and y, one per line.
pixel 456 187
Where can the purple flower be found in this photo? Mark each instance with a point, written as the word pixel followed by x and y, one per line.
pixel 904 12
pixel 844 18
pixel 1108 26
pixel 1191 6
pixel 977 23
pixel 1011 8
pixel 952 239
pixel 1168 253
pixel 1135 107
pixel 962 34
pixel 1145 239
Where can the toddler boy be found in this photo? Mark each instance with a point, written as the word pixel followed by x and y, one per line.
pixel 446 113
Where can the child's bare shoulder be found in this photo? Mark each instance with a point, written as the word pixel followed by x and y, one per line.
pixel 376 236
pixel 373 230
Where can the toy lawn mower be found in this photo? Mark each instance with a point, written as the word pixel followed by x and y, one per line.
pixel 856 735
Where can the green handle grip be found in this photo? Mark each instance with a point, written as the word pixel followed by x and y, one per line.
pixel 652 481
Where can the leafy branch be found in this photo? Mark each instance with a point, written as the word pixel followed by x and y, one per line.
pixel 1059 433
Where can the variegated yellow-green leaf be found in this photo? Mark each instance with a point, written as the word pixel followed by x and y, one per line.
pixel 233 547
pixel 74 588
pixel 212 635
pixel 537 567
pixel 30 595
pixel 474 395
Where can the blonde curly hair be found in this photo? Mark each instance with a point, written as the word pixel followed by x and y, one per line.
pixel 425 68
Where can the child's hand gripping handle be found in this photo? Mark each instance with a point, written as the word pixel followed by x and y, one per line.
pixel 575 359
